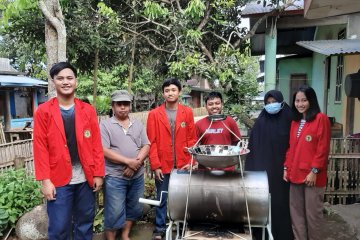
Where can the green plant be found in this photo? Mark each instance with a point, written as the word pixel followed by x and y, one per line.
pixel 150 191
pixel 98 225
pixel 99 220
pixel 19 193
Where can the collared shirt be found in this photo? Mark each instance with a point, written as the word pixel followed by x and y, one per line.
pixel 126 142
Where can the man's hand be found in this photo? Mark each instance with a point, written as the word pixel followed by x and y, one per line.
pixel 159 175
pixel 134 163
pixel 128 172
pixel 186 167
pixel 48 189
pixel 98 182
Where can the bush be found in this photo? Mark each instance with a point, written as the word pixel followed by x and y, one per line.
pixel 150 189
pixel 98 226
pixel 19 193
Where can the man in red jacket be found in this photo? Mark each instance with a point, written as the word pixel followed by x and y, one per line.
pixel 68 158
pixel 170 128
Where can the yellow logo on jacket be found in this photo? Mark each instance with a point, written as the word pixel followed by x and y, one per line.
pixel 87 133
pixel 183 124
pixel 308 138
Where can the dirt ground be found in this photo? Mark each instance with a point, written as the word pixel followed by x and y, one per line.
pixel 342 222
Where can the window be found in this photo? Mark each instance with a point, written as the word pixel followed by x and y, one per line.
pixel 339 71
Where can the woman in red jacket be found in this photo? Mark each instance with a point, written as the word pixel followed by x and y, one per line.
pixel 306 163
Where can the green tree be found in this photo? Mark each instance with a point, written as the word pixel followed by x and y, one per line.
pixel 148 40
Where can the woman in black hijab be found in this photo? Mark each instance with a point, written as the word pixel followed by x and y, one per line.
pixel 269 140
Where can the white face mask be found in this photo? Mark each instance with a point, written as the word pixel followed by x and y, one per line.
pixel 273 108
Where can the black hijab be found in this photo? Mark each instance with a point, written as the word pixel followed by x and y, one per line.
pixel 268 143
pixel 269 138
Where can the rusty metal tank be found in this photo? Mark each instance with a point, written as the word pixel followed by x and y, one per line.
pixel 218 196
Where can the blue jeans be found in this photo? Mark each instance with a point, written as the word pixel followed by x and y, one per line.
pixel 72 213
pixel 161 211
pixel 122 201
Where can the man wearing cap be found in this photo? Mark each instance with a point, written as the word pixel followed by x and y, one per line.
pixel 125 147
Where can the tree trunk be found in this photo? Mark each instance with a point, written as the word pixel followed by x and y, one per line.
pixel 246 120
pixel 131 70
pixel 96 66
pixel 55 36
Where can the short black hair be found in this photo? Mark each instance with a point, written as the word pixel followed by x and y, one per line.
pixel 57 67
pixel 170 81
pixel 213 95
pixel 314 107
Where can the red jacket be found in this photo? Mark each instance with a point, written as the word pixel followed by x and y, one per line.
pixel 51 155
pixel 310 150
pixel 159 134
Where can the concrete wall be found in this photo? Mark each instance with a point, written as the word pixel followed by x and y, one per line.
pixel 329 106
pixel 328 32
pixel 318 82
pixel 352 65
pixel 290 66
pixel 334 108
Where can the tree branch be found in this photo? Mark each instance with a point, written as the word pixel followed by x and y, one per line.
pixel 206 51
pixel 147 39
pixel 54 21
pixel 206 17
pixel 221 38
pixel 274 12
pixel 178 5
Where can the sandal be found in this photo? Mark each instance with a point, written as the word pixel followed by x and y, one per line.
pixel 158 236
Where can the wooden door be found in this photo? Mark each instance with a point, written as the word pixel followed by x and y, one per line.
pixel 296 80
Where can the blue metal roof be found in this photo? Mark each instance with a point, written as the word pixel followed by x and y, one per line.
pixel 20 81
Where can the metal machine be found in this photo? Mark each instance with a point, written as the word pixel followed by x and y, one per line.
pixel 216 204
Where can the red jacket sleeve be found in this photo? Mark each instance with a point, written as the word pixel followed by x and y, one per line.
pixel 323 147
pixel 98 155
pixel 191 133
pixel 151 132
pixel 40 146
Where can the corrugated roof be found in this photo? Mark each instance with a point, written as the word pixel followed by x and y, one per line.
pixel 20 81
pixel 254 8
pixel 331 47
pixel 6 67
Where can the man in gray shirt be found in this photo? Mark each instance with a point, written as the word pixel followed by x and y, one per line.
pixel 125 146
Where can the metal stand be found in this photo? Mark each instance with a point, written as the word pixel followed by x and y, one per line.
pixel 187 234
pixel 192 235
pixel 266 227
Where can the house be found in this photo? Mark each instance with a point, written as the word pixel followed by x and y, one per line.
pixel 323 39
pixel 199 87
pixel 19 96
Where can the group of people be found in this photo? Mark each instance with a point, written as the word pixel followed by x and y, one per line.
pixel 75 157
pixel 292 145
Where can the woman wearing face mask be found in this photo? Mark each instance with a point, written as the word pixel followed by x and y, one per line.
pixel 306 163
pixel 269 140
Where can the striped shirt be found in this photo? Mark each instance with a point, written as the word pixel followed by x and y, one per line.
pixel 302 123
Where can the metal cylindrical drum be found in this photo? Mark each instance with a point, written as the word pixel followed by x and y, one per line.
pixel 219 196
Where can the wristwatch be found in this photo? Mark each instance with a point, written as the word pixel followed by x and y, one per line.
pixel 315 170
